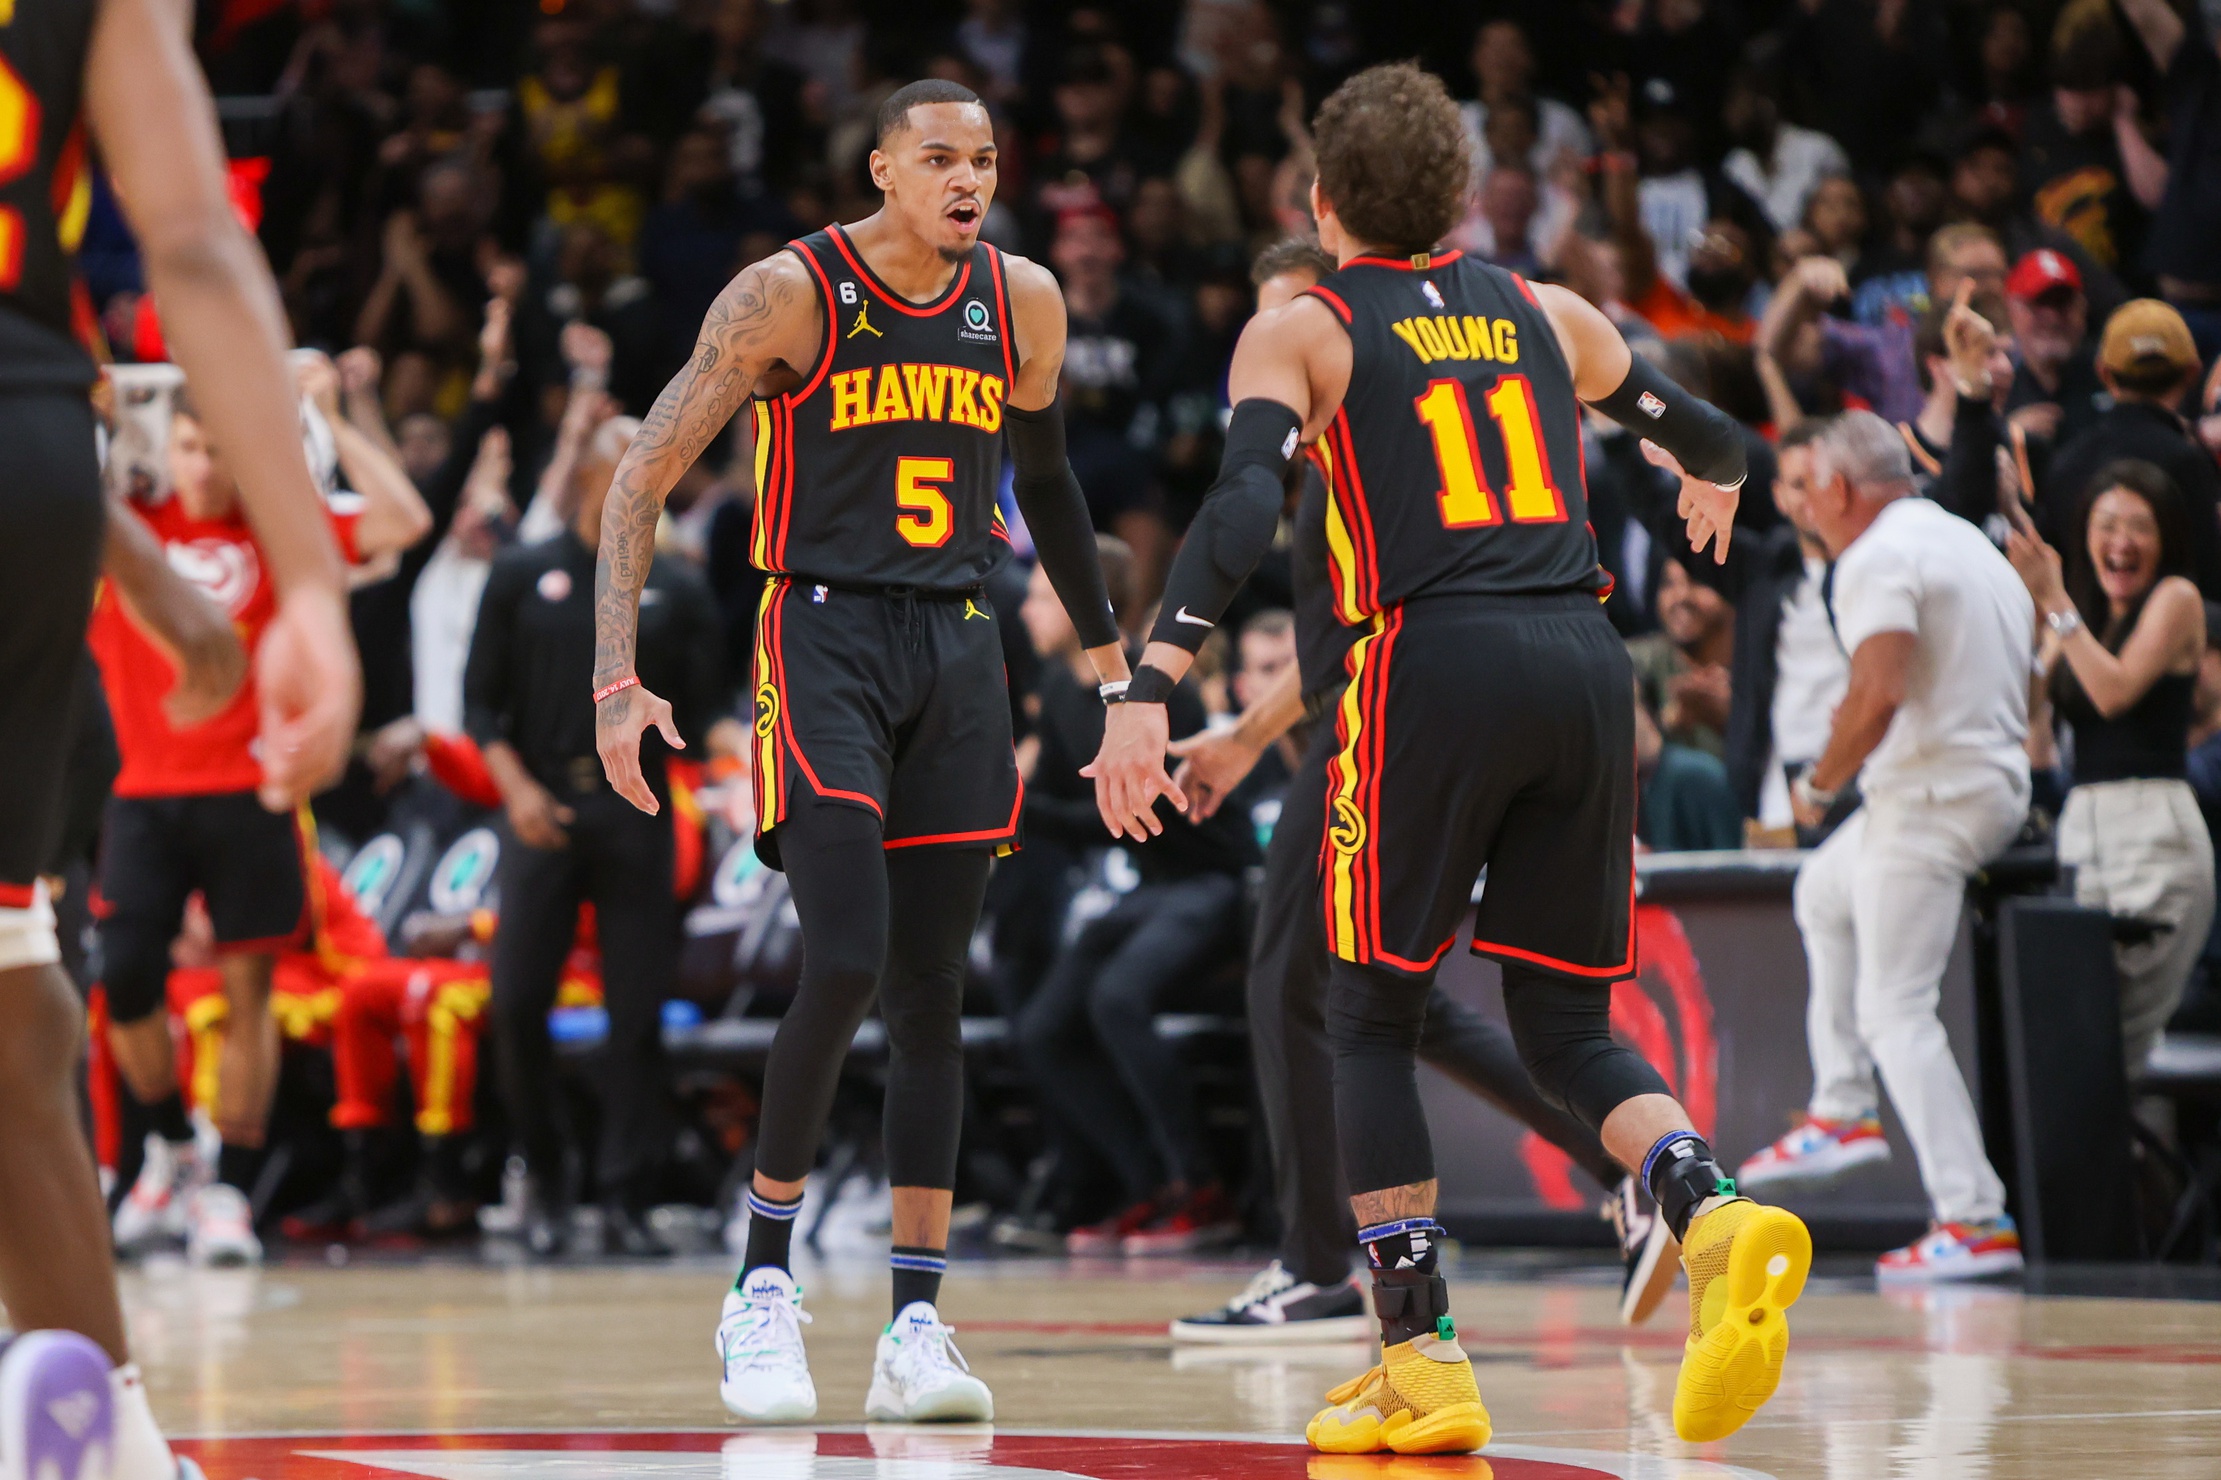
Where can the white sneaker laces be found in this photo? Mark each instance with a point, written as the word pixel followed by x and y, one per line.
pixel 1270 1281
pixel 930 1352
pixel 767 1333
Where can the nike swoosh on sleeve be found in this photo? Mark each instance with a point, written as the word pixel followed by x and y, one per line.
pixel 1184 615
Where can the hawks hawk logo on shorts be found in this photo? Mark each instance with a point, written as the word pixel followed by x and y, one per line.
pixel 767 709
pixel 1347 830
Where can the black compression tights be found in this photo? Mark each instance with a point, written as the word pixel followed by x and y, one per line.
pixel 910 912
pixel 1562 1025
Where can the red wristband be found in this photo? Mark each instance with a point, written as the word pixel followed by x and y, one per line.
pixel 618 687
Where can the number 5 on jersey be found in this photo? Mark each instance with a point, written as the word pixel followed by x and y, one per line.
pixel 1465 498
pixel 925 520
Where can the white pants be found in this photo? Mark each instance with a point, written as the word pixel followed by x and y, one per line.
pixel 1879 906
pixel 2141 848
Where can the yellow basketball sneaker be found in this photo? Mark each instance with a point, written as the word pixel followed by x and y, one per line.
pixel 1421 1399
pixel 1747 1265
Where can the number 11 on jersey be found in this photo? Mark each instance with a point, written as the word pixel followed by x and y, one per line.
pixel 1464 498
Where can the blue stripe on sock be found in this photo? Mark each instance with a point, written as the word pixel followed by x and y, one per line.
pixel 922 1263
pixel 763 1207
pixel 1401 1225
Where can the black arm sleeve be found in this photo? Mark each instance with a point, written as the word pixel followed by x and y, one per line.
pixel 1702 436
pixel 1056 516
pixel 1967 482
pixel 1234 527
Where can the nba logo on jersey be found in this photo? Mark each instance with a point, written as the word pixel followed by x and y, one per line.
pixel 1434 294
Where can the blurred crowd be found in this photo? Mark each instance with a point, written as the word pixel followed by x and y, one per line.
pixel 1996 225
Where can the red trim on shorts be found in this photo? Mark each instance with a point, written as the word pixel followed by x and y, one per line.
pixel 984 835
pixel 839 238
pixel 1427 965
pixel 786 714
pixel 1332 300
pixel 1609 973
pixel 17 896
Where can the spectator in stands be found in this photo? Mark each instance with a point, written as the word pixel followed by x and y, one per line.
pixel 1892 280
pixel 1789 669
pixel 752 98
pixel 432 274
pixel 2055 389
pixel 1777 163
pixel 1986 190
pixel 1932 726
pixel 2184 248
pixel 1508 200
pixel 571 114
pixel 2005 78
pixel 1681 670
pixel 1811 362
pixel 1871 71
pixel 1122 358
pixel 1835 215
pixel 1084 162
pixel 1112 1086
pixel 1684 804
pixel 2128 639
pixel 1504 66
pixel 2086 167
pixel 528 701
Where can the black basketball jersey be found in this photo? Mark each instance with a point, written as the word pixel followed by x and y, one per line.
pixel 44 190
pixel 1454 465
pixel 882 469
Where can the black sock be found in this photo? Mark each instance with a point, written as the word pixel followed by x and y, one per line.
pixel 240 1167
pixel 770 1233
pixel 917 1274
pixel 1409 1294
pixel 1681 1174
pixel 166 1117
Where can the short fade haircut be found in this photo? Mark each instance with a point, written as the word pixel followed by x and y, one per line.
pixel 1864 449
pixel 894 114
pixel 1394 160
pixel 1291 254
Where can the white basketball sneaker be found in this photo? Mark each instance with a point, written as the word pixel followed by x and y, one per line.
pixel 759 1339
pixel 918 1375
pixel 220 1227
pixel 153 1212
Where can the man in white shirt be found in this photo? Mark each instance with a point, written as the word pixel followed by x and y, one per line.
pixel 1940 637
pixel 1778 163
pixel 1810 666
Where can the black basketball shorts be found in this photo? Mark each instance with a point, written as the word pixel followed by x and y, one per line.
pixel 888 700
pixel 50 529
pixel 1485 732
pixel 249 865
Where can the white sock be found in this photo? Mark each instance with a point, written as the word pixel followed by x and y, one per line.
pixel 141 1451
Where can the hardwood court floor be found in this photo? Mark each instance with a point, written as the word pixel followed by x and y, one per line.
pixel 307 1372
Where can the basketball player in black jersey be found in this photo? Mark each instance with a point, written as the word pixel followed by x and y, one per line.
pixel 119 74
pixel 1487 723
pixel 889 361
pixel 1307 1295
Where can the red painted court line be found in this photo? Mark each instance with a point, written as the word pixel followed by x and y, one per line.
pixel 2164 1354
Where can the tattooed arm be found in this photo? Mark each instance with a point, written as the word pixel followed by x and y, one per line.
pixel 766 319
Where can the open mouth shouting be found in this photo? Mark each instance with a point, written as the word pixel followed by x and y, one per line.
pixel 966 214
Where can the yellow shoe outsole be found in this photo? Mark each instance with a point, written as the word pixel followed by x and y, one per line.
pixel 1730 1372
pixel 1460 1428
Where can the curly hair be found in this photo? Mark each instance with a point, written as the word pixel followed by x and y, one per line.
pixel 1394 160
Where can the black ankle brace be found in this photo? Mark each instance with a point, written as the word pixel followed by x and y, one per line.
pixel 1681 1174
pixel 1411 1303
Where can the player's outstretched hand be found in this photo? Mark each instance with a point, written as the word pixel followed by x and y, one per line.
pixel 1708 509
pixel 1129 772
pixel 308 686
pixel 619 722
pixel 1212 764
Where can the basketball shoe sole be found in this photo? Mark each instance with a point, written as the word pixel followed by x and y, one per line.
pixel 1747 1265
pixel 57 1410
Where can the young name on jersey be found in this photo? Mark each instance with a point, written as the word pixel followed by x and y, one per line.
pixel 916 393
pixel 1460 337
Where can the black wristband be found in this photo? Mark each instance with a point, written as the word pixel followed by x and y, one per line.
pixel 1150 685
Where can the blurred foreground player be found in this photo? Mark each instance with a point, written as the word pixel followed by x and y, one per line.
pixel 123 69
pixel 1306 1294
pixel 1488 722
pixel 887 360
